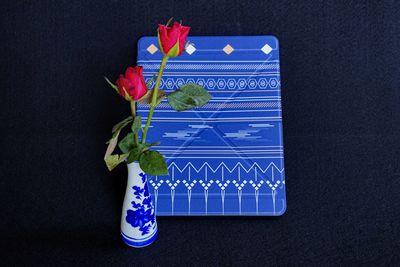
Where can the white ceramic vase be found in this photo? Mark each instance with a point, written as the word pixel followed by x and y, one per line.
pixel 138 220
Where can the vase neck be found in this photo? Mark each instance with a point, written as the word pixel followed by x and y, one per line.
pixel 135 174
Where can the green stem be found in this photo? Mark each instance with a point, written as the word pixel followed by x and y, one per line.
pixel 154 98
pixel 133 111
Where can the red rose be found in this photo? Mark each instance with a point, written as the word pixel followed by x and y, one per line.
pixel 133 83
pixel 171 40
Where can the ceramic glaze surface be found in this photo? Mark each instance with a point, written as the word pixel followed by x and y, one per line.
pixel 138 222
pixel 225 158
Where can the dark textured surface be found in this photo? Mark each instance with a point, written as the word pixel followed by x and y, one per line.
pixel 341 107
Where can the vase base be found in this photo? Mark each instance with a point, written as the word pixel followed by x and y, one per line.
pixel 139 243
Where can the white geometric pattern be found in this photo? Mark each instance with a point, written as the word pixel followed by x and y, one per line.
pixel 252 83
pixel 263 83
pixel 156 184
pixel 239 186
pixel 149 82
pixel 170 83
pixel 257 185
pixel 238 165
pixel 266 49
pixel 179 82
pixel 223 184
pixel 273 186
pixel 206 185
pixel 190 49
pixel 211 83
pixel 276 104
pixel 189 185
pixel 206 177
pixel 231 83
pixel 221 83
pixel 228 49
pixel 190 80
pixel 201 82
pixel 179 66
pixel 241 83
pixel 273 83
pixel 172 184
pixel 152 49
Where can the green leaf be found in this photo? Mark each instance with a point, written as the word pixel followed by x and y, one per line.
pixel 153 144
pixel 137 124
pixel 127 143
pixel 134 154
pixel 120 125
pixel 146 99
pixel 153 163
pixel 112 143
pixel 188 96
pixel 112 161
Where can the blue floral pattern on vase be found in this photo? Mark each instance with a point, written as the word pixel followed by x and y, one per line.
pixel 143 211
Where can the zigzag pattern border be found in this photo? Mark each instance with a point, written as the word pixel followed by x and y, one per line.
pixel 223 165
pixel 222 184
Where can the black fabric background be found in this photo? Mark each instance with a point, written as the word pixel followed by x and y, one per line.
pixel 341 108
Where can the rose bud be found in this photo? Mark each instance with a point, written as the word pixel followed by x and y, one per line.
pixel 171 40
pixel 132 83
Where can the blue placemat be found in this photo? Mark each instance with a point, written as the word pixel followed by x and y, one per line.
pixel 225 158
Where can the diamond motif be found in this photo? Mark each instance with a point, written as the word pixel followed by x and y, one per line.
pixel 273 83
pixel 231 83
pixel 221 84
pixel 228 49
pixel 149 82
pixel 169 83
pixel 263 83
pixel 152 49
pixel 180 82
pixel 190 49
pixel 266 49
pixel 210 83
pixel 201 82
pixel 252 83
pixel 242 83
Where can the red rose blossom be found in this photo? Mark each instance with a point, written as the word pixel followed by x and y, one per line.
pixel 133 83
pixel 171 40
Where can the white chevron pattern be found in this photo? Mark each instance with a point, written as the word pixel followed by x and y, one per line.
pixel 223 165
